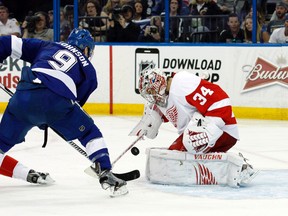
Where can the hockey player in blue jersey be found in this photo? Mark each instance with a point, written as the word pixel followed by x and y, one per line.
pixel 50 93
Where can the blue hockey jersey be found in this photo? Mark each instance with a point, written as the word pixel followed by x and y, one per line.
pixel 59 66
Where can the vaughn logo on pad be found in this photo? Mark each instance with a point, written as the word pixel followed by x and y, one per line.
pixel 265 74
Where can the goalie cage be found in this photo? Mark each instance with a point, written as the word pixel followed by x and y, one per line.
pixel 185 169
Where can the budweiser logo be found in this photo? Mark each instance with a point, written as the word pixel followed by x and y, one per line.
pixel 265 74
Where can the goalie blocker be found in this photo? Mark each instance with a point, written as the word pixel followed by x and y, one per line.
pixel 185 169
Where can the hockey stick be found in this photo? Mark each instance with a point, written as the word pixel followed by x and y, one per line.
pixel 128 176
pixel 8 91
pixel 128 148
pixel 133 174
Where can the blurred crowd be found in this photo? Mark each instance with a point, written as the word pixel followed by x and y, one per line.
pixel 226 21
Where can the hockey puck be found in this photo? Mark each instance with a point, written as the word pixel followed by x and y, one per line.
pixel 135 151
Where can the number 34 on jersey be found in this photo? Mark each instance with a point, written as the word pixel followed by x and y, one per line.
pixel 205 95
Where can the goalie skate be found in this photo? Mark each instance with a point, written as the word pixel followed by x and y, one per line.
pixel 247 173
pixel 39 178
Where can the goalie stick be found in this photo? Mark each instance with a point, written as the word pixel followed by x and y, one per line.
pixel 128 176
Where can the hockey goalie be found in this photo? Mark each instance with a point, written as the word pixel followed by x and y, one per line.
pixel 202 113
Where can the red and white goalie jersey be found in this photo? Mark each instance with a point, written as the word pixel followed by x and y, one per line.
pixel 189 94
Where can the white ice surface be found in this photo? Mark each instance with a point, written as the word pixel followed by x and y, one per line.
pixel 264 143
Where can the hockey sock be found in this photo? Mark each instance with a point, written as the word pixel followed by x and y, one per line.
pixel 7 166
pixel 12 168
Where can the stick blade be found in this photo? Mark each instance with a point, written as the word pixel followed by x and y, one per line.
pixel 128 176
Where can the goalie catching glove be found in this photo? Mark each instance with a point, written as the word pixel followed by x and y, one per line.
pixel 150 122
pixel 200 134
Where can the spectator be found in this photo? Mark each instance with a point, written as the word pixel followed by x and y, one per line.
pixel 179 26
pixel 248 27
pixel 69 15
pixel 96 22
pixel 247 9
pixel 230 6
pixel 140 16
pixel 203 24
pixel 147 7
pixel 260 17
pixel 140 13
pixel 234 34
pixel 204 7
pixel 108 8
pixel 274 16
pixel 82 3
pixel 65 26
pixel 159 7
pixel 280 35
pixel 176 22
pixel 122 28
pixel 51 18
pixel 153 32
pixel 81 10
pixel 37 26
pixel 262 8
pixel 185 7
pixel 8 26
pixel 281 10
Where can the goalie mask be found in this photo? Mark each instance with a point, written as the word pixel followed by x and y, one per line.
pixel 152 86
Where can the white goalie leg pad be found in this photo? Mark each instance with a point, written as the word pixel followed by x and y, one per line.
pixel 149 123
pixel 185 169
pixel 200 134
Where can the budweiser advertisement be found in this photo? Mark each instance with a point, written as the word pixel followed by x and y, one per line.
pixel 265 73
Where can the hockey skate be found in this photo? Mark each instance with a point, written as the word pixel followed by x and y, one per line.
pixel 39 178
pixel 116 186
pixel 247 173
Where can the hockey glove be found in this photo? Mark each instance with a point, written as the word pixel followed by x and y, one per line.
pixel 149 123
pixel 200 135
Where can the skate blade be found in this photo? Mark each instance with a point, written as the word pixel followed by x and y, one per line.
pixel 47 181
pixel 119 192
pixel 248 180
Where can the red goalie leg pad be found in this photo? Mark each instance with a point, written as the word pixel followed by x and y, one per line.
pixel 178 144
pixel 7 166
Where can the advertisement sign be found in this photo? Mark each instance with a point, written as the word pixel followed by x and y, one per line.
pixel 252 76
